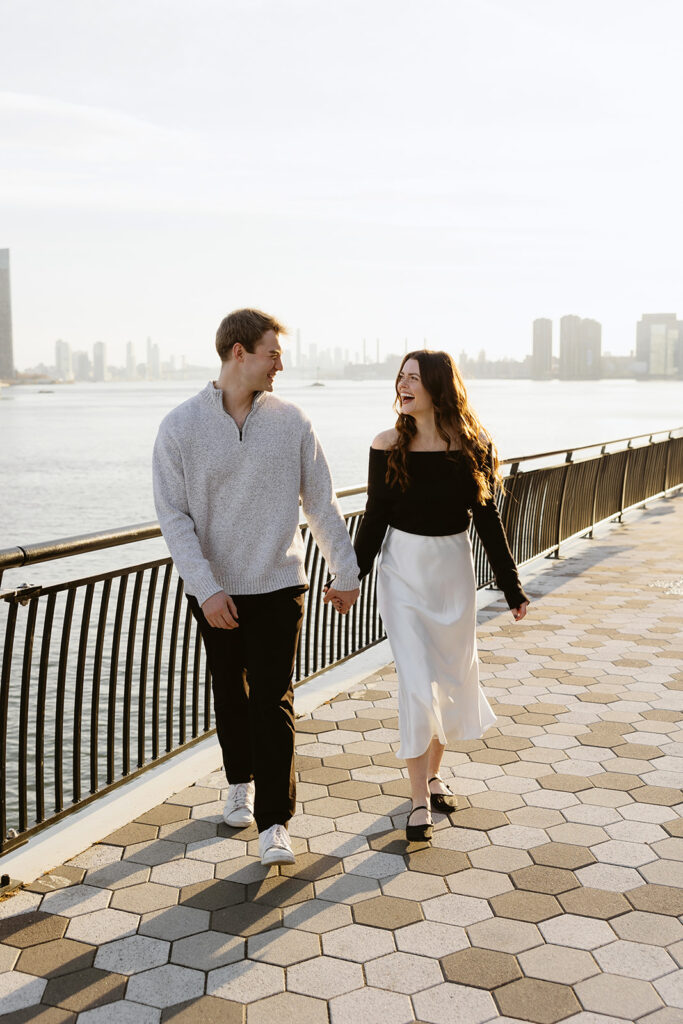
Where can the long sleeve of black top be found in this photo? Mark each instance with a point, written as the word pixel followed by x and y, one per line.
pixel 440 500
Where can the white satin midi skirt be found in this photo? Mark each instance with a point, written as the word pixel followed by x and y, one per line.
pixel 426 592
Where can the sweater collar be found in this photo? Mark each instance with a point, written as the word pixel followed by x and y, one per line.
pixel 214 396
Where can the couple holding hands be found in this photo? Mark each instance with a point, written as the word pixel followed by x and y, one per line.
pixel 230 466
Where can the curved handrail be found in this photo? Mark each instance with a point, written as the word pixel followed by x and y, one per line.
pixel 30 554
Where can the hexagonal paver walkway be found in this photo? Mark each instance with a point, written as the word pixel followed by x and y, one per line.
pixel 553 894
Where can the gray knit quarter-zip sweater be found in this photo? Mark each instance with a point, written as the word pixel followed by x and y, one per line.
pixel 228 499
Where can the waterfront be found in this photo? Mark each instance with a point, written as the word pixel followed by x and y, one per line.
pixel 77 459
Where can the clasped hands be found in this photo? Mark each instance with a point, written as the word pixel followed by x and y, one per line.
pixel 342 600
pixel 221 613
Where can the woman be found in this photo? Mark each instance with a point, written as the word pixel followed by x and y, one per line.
pixel 429 476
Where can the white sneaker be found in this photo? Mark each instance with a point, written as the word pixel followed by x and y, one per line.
pixel 274 846
pixel 239 806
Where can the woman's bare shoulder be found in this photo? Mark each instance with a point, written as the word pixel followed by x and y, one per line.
pixel 386 439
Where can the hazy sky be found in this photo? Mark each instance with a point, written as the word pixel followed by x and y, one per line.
pixel 447 169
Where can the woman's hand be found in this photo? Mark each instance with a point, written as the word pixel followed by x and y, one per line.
pixel 519 613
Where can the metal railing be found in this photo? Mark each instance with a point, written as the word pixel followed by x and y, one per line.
pixel 104 676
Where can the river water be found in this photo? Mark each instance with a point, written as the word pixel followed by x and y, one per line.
pixel 76 458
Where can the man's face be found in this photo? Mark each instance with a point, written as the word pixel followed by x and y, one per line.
pixel 264 362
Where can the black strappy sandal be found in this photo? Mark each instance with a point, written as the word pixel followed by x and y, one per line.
pixel 445 803
pixel 418 833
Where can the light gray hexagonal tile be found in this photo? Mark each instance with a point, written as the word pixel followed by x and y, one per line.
pixel 611 993
pixel 76 900
pixel 372 1006
pixel 463 839
pixel 180 873
pixel 208 950
pixel 325 977
pixel 358 942
pixel 8 957
pixel 449 1002
pixel 283 946
pixel 174 922
pixel 505 935
pixel 608 876
pixel 670 989
pixel 414 885
pixel 431 938
pixel 245 982
pixel 560 964
pixel 403 972
pixel 215 850
pixel 577 931
pixel 634 960
pixel 347 888
pixel 479 883
pixel 132 955
pixel 456 909
pixel 121 1012
pixel 625 855
pixel 366 824
pixel 19 903
pixel 96 856
pixel 375 864
pixel 166 986
pixel 317 916
pixel 154 851
pixel 18 990
pixel 338 844
pixel 117 875
pixel 102 926
pixel 304 826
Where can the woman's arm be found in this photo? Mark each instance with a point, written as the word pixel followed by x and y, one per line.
pixel 492 535
pixel 377 511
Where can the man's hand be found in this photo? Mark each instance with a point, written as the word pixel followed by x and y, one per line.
pixel 220 611
pixel 341 599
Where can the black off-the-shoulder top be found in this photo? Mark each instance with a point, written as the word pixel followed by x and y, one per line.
pixel 440 500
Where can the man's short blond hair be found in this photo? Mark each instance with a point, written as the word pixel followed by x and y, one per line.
pixel 246 326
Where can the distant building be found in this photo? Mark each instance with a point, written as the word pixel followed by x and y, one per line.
pixel 591 349
pixel 99 361
pixel 153 361
pixel 542 352
pixel 580 348
pixel 6 354
pixel 81 365
pixel 131 369
pixel 63 363
pixel 659 345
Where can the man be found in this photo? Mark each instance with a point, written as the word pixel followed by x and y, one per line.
pixel 229 467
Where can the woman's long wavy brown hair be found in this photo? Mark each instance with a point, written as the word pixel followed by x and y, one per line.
pixel 455 419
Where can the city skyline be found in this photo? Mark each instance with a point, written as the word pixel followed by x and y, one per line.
pixel 445 172
pixel 657 354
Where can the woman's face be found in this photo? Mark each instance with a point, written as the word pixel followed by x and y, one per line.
pixel 415 398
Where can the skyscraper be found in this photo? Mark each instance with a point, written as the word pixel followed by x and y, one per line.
pixel 570 346
pixel 6 355
pixel 63 362
pixel 590 365
pixel 542 353
pixel 580 348
pixel 131 368
pixel 99 361
pixel 659 345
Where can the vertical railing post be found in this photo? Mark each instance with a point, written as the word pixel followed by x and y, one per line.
pixel 667 461
pixel 624 476
pixel 555 553
pixel 598 480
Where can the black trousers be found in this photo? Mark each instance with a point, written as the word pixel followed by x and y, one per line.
pixel 252 668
